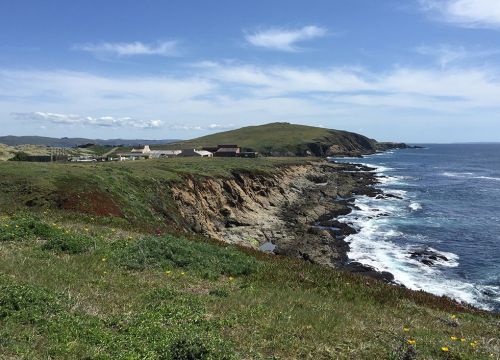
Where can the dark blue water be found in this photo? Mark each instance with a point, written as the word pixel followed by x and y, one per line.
pixel 450 206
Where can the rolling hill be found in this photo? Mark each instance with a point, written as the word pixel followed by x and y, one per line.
pixel 285 139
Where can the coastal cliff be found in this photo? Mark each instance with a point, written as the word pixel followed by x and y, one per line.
pixel 291 212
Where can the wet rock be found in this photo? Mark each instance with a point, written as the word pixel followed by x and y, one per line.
pixel 366 270
pixel 427 257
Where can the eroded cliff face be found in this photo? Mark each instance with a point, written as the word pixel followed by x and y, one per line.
pixel 237 209
pixel 289 209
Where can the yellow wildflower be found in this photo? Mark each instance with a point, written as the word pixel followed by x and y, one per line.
pixel 445 349
pixel 462 339
pixel 406 329
pixel 168 272
pixel 453 317
pixel 453 338
pixel 231 278
pixel 411 342
pixel 103 259
pixel 86 229
pixel 183 273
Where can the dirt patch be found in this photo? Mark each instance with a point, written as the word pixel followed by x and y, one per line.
pixel 92 203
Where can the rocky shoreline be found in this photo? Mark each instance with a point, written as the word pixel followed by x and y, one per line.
pixel 341 184
pixel 291 213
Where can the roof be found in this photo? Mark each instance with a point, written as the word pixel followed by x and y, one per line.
pixel 165 152
pixel 203 152
pixel 223 149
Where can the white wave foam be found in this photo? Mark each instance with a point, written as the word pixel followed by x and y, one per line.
pixel 469 175
pixel 397 192
pixel 374 245
pixel 487 178
pixel 415 206
pixel 459 174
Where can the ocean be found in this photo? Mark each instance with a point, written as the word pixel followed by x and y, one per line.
pixel 441 231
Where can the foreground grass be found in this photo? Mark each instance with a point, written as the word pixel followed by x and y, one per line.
pixel 71 289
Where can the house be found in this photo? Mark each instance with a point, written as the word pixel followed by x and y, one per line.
pixel 132 156
pixel 227 151
pixel 195 153
pixel 145 150
pixel 155 154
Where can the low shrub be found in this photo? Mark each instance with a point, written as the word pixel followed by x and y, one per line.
pixel 27 227
pixel 23 227
pixel 25 302
pixel 70 243
pixel 209 260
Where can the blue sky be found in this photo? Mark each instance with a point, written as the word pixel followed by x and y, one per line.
pixel 413 70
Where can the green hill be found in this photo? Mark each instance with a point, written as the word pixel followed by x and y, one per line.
pixel 284 139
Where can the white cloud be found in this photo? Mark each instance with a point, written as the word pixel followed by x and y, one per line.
pixel 164 48
pixel 284 39
pixel 468 13
pixel 447 54
pixel 71 119
pixel 444 54
pixel 218 96
pixel 209 127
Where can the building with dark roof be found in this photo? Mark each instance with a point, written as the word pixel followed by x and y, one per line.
pixel 227 151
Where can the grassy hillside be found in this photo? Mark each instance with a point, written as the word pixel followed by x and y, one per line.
pixel 287 139
pixel 83 275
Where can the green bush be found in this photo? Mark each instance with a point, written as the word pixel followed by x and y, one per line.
pixel 20 156
pixel 26 303
pixel 168 251
pixel 70 243
pixel 24 227
pixel 186 348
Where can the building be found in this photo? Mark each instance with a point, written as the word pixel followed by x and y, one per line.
pixel 195 153
pixel 145 150
pixel 147 153
pixel 227 151
pixel 156 154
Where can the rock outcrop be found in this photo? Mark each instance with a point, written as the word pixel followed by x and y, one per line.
pixel 293 209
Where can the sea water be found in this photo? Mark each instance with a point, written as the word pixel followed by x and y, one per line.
pixel 448 203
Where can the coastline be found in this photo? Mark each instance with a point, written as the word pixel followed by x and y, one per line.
pixel 292 213
pixel 296 211
pixel 394 236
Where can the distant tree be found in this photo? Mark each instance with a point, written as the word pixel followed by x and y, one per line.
pixel 83 146
pixel 20 156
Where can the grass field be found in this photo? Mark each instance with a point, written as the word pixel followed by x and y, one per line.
pixel 74 285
